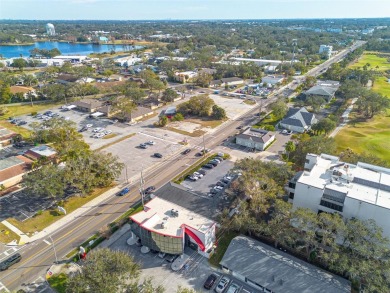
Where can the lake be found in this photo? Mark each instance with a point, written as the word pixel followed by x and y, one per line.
pixel 65 48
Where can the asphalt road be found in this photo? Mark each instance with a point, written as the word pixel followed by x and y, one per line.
pixel 38 256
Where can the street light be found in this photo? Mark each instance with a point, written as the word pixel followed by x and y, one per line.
pixel 54 248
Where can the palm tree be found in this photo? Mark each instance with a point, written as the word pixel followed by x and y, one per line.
pixel 290 147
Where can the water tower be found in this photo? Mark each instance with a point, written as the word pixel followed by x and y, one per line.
pixel 50 29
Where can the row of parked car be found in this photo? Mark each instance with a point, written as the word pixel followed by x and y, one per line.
pixel 224 285
pixel 18 122
pixel 201 172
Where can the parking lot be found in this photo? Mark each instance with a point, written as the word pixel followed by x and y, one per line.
pixel 191 276
pixel 233 107
pixel 136 158
pixel 20 206
pixel 207 182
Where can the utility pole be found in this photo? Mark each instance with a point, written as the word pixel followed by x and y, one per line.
pixel 127 177
pixel 204 146
pixel 294 43
pixel 141 189
pixel 54 248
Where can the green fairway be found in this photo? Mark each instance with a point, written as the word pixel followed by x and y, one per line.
pixel 374 61
pixel 372 136
pixel 382 86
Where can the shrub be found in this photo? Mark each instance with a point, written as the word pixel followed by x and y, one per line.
pixel 34 113
pixel 39 213
pixel 269 127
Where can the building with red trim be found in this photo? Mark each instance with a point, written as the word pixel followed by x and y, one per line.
pixel 166 227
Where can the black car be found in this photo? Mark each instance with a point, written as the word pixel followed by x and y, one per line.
pixel 214 163
pixel 13 259
pixel 210 281
pixel 186 151
pixel 22 123
pixel 158 155
pixel 208 166
pixel 150 189
pixel 198 155
pixel 83 129
pixel 222 184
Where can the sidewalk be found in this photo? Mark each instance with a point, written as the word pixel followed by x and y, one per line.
pixel 345 119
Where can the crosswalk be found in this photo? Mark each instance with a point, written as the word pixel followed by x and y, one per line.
pixel 3 288
pixel 198 147
pixel 9 251
pixel 39 285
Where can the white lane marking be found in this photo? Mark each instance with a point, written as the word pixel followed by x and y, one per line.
pixel 6 253
pixel 3 288
pixel 47 242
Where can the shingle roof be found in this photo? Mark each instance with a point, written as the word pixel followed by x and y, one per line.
pixel 278 271
pixel 299 117
pixel 88 103
pixel 320 90
pixel 14 166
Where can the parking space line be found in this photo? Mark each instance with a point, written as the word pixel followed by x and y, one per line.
pixel 3 288
pixel 6 253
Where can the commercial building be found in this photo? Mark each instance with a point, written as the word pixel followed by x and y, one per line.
pixel 50 30
pixel 272 80
pixel 185 76
pixel 229 81
pixel 6 137
pixel 270 270
pixel 71 58
pixel 326 50
pixel 167 227
pixel 360 191
pixel 256 139
pixel 42 151
pixel 298 120
pixel 12 170
pixel 324 88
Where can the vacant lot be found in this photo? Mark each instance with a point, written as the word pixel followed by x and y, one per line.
pixel 374 61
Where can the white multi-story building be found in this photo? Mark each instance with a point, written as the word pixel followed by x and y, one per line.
pixel 50 30
pixel 360 191
pixel 325 49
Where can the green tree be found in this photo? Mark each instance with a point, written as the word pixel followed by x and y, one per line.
pixel 198 106
pixel 123 107
pixel 203 79
pixel 178 117
pixel 325 125
pixel 45 181
pixel 309 82
pixel 163 121
pixel 104 271
pixel 290 147
pixel 19 63
pixel 169 95
pixel 5 93
pixel 279 109
pixel 218 113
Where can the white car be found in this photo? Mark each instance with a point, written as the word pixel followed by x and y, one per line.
pixel 98 129
pixel 198 175
pixel 222 285
pixel 151 142
pixel 218 187
pixel 89 125
pixel 233 288
pixel 98 135
pixel 284 131
pixel 107 132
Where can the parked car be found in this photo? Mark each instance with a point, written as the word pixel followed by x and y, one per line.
pixel 222 284
pixel 214 163
pixel 107 132
pixel 210 281
pixel 193 177
pixel 220 188
pixel 220 183
pixel 233 288
pixel 197 174
pixel 8 262
pixel 208 166
pixel 151 142
pixel 158 155
pixel 198 155
pixel 124 191
pixel 161 255
pixel 244 290
pixel 83 129
pixel 186 151
pixel 89 125
pixel 289 132
pixel 143 146
pixel 284 131
pixel 21 123
pixel 98 129
pixel 214 191
pixel 201 171
pixel 150 189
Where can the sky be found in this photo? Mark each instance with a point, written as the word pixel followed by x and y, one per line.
pixel 191 9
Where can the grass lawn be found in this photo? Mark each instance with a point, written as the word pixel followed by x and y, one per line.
pixel 249 102
pixel 6 235
pixel 17 129
pixel 382 86
pixel 58 282
pixel 374 61
pixel 111 135
pixel 26 109
pixel 271 120
pixel 223 243
pixel 48 217
pixel 370 136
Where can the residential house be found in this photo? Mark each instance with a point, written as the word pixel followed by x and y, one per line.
pixel 185 76
pixel 324 88
pixel 268 269
pixel 25 91
pixel 12 170
pixel 257 139
pixel 360 191
pixel 298 120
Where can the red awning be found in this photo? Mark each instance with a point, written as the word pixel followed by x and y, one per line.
pixel 196 238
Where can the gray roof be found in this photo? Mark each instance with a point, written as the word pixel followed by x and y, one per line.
pixel 181 196
pixel 277 270
pixel 88 103
pixel 320 90
pixel 10 162
pixel 299 117
pixel 230 79
pixel 257 135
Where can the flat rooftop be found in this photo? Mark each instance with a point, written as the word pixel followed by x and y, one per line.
pixel 43 150
pixel 279 271
pixel 164 217
pixel 362 181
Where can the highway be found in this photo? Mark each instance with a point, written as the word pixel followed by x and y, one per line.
pixel 37 257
